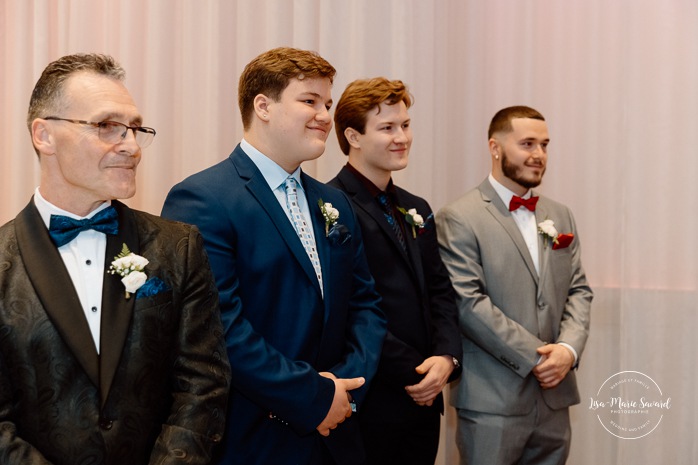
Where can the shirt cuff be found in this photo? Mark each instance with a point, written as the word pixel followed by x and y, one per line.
pixel 574 352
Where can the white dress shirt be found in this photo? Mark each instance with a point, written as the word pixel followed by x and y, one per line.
pixel 84 259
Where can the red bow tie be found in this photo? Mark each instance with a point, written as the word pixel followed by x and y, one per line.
pixel 517 202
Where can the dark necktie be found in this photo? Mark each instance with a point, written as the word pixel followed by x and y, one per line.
pixel 64 229
pixel 387 205
pixel 517 202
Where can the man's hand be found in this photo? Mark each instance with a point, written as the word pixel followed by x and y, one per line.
pixel 437 369
pixel 340 409
pixel 557 362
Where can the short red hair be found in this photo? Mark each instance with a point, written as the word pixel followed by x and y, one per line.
pixel 360 97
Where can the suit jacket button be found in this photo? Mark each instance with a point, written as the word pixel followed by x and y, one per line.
pixel 105 424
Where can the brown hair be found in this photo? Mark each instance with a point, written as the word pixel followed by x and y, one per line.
pixel 501 121
pixel 270 73
pixel 359 98
pixel 48 91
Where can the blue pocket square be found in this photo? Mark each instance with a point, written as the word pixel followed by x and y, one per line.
pixel 339 234
pixel 151 287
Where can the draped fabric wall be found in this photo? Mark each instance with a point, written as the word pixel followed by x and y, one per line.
pixel 615 80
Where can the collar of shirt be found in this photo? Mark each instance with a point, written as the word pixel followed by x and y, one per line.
pixel 46 209
pixel 372 188
pixel 273 174
pixel 504 193
pixel 374 191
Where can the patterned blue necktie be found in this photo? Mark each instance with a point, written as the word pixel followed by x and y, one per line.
pixel 387 205
pixel 302 228
pixel 63 229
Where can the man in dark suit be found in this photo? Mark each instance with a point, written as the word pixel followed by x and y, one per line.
pixel 93 368
pixel 299 308
pixel 524 302
pixel 400 419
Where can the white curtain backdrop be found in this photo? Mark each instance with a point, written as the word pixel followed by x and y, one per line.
pixel 616 80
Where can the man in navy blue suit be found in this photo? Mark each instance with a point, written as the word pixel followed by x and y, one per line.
pixel 303 327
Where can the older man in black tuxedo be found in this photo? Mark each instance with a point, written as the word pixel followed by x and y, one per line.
pixel 96 367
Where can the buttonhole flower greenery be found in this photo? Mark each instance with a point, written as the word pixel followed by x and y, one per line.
pixel 130 267
pixel 330 214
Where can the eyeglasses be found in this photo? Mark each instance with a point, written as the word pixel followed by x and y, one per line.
pixel 113 132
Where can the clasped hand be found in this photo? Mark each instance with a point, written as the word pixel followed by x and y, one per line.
pixel 340 409
pixel 436 369
pixel 556 362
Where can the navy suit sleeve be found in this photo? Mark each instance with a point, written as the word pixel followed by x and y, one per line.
pixel 291 389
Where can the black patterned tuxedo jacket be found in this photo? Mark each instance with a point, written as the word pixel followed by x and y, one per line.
pixel 156 392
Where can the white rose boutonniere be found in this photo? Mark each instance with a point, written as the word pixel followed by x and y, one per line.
pixel 413 218
pixel 130 267
pixel 547 229
pixel 330 214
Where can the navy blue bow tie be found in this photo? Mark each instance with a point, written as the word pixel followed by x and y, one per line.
pixel 64 229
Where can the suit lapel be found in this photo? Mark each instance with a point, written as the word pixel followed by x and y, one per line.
pixel 415 259
pixel 544 247
pixel 501 213
pixel 55 289
pixel 258 187
pixel 116 309
pixel 363 199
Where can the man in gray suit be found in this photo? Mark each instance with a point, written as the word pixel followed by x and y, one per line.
pixel 524 301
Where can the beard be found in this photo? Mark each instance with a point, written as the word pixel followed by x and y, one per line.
pixel 513 172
